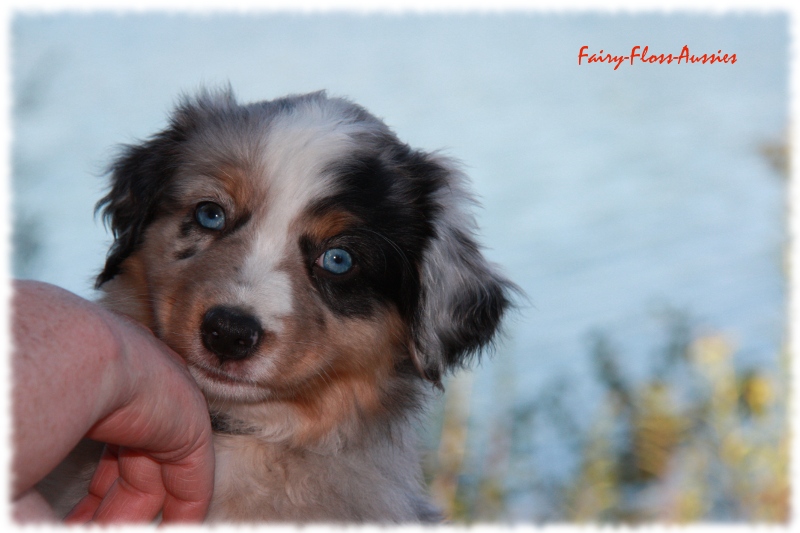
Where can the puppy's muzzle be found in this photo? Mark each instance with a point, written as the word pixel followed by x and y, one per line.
pixel 230 333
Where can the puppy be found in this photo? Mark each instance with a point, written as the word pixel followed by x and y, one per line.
pixel 318 275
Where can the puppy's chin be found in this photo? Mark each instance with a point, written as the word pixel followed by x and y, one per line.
pixel 220 386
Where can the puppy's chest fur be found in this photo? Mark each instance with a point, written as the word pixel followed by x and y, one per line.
pixel 259 481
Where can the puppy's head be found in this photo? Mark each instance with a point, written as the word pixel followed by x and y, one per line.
pixel 283 246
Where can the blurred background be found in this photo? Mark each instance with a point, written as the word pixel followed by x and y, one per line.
pixel 642 210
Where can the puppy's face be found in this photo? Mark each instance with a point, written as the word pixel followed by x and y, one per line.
pixel 284 246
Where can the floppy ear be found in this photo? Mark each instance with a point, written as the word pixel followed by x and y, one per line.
pixel 463 297
pixel 141 174
pixel 138 179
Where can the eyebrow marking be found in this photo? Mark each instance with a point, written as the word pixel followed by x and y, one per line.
pixel 326 223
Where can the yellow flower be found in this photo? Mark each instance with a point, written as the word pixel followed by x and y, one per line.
pixel 757 393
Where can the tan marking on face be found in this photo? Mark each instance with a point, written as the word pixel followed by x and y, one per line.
pixel 357 357
pixel 129 293
pixel 239 185
pixel 328 225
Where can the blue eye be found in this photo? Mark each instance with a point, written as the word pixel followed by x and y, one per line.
pixel 210 216
pixel 336 261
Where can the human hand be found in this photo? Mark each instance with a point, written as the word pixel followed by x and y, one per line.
pixel 160 457
pixel 82 371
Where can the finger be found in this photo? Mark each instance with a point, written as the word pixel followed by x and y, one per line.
pixel 183 512
pixel 83 512
pixel 137 495
pixel 189 488
pixel 125 504
pixel 106 473
pixel 104 477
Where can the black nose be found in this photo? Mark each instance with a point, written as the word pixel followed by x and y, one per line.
pixel 230 333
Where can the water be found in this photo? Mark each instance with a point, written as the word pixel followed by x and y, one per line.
pixel 606 194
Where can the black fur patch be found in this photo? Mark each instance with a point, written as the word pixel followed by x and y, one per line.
pixel 394 205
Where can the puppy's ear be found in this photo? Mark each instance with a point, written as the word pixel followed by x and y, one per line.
pixel 138 179
pixel 142 173
pixel 463 297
